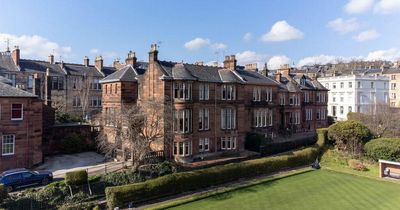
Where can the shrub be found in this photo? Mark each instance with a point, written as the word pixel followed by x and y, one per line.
pixel 254 141
pixel 322 137
pixel 357 165
pixel 349 135
pixel 122 178
pixel 76 178
pixel 383 148
pixel 3 193
pixel 192 180
pixel 63 117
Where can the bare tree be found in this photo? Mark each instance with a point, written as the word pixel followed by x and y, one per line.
pixel 140 129
pixel 84 88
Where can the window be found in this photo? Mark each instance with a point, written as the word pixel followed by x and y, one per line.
pixel 228 143
pixel 94 84
pixel 269 95
pixel 228 118
pixel 8 145
pixel 342 85
pixel 334 99
pixel 30 81
pixel 228 92
pixel 372 85
pixel 306 97
pixel 282 100
pixel 393 86
pixel 341 98
pixel 294 100
pixel 350 108
pixel 341 109
pixel 359 84
pixel 17 112
pixel 12 78
pixel 262 118
pixel 327 85
pixel 203 119
pixel 183 120
pixel 294 118
pixel 76 101
pixel 318 114
pixel 57 83
pixel 309 114
pixel 95 101
pixel 323 114
pixel 183 148
pixel 393 77
pixel 111 116
pixel 182 90
pixel 257 94
pixel 203 91
pixel 334 85
pixel 350 85
pixel 204 144
pixel 75 83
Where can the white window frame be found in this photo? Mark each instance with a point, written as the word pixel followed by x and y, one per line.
pixel 184 88
pixel 228 143
pixel 228 118
pixel 228 92
pixel 22 112
pixel 256 94
pixel 204 119
pixel 204 144
pixel 204 90
pixel 269 95
pixel 186 148
pixel 282 100
pixel 3 144
pixel 186 116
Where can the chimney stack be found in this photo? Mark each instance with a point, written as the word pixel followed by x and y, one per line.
pixel 153 54
pixel 51 59
pixel 278 77
pixel 86 61
pixel 230 62
pixel 285 69
pixel 265 71
pixel 200 63
pixel 98 63
pixel 131 59
pixel 62 64
pixel 251 67
pixel 16 55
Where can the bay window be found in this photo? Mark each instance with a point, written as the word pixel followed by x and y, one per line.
pixel 182 121
pixel 262 118
pixel 182 90
pixel 294 118
pixel 183 148
pixel 228 118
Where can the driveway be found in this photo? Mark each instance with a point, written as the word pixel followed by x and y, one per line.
pixel 60 164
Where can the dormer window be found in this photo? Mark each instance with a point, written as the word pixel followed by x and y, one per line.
pixel 182 90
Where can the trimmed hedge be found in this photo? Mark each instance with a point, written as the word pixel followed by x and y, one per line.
pixel 383 148
pixel 76 178
pixel 194 180
pixel 3 193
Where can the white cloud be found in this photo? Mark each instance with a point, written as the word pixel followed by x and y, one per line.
pixel 218 46
pixel 367 35
pixel 387 7
pixel 247 37
pixel 276 61
pixel 94 51
pixel 104 54
pixel 391 54
pixel 358 6
pixel 35 46
pixel 344 26
pixel 282 31
pixel 321 59
pixel 248 56
pixel 196 43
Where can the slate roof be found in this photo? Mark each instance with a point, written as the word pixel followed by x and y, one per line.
pixel 10 91
pixel 294 84
pixel 7 63
pixel 126 74
pixel 5 80
pixel 392 71
pixel 39 66
pixel 253 77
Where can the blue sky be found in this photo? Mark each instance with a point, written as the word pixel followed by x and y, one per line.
pixel 300 32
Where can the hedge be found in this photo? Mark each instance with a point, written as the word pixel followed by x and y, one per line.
pixel 322 137
pixel 3 193
pixel 76 178
pixel 193 180
pixel 383 148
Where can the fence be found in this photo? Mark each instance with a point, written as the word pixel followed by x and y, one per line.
pixel 98 169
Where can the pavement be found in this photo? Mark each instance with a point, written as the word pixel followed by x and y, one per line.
pixel 60 164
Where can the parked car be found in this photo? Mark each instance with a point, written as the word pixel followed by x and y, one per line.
pixel 22 177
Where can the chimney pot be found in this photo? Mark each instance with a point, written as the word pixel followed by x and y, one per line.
pixel 131 58
pixel 230 62
pixel 16 55
pixel 153 54
pixel 99 63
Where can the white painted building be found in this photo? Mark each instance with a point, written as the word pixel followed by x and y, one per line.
pixel 355 93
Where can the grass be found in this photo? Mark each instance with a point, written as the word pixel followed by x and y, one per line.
pixel 321 189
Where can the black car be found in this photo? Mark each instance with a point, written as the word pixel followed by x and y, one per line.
pixel 22 177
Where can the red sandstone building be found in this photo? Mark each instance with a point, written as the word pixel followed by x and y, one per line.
pixel 215 107
pixel 20 127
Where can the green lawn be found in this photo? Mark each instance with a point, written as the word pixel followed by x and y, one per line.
pixel 321 189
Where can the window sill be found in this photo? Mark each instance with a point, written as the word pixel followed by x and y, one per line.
pixel 17 119
pixel 7 155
